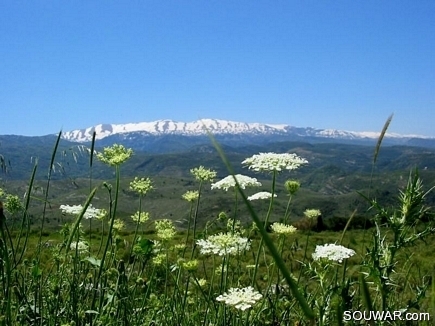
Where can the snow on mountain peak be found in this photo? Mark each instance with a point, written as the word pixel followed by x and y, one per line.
pixel 217 127
pixel 161 127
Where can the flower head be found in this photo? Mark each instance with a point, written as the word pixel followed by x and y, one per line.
pixel 115 155
pixel 190 265
pixel 140 217
pixel 292 186
pixel 13 204
pixel 165 229
pixel 272 162
pixel 312 213
pixel 203 174
pixel 191 196
pixel 332 252
pixel 281 228
pixel 202 282
pixel 261 195
pixel 91 212
pixel 235 226
pixel 228 182
pixel 223 243
pixel 159 259
pixel 118 224
pixel 240 298
pixel 142 186
pixel 80 246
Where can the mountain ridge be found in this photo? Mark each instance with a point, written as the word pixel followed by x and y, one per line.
pixel 219 127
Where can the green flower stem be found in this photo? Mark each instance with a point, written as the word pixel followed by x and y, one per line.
pixel 109 237
pixel 195 219
pixel 260 247
pixel 188 229
pixel 287 210
pixel 137 227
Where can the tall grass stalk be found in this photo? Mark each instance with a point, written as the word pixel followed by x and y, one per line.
pixel 47 187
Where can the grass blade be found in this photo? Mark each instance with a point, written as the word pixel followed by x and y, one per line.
pixel 91 154
pixel 381 137
pixel 366 293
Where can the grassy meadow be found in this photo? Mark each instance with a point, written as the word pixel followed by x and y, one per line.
pixel 234 254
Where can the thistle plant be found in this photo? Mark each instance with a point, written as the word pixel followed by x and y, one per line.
pixel 409 223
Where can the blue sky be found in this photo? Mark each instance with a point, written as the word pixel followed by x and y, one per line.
pixel 324 64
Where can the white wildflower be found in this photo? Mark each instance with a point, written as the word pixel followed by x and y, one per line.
pixel 223 243
pixel 312 213
pixel 115 155
pixel 202 282
pixel 228 182
pixel 140 217
pixel 261 195
pixel 269 162
pixel 80 246
pixel 332 252
pixel 191 195
pixel 240 298
pixel 281 228
pixel 91 212
pixel 203 174
pixel 165 229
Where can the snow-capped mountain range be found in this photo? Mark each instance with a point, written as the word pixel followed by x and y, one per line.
pixel 217 127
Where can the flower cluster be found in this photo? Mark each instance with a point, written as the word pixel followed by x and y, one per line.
pixel 261 195
pixel 159 259
pixel 203 174
pixel 273 162
pixel 292 186
pixel 235 226
pixel 228 182
pixel 142 186
pixel 281 228
pixel 332 252
pixel 191 196
pixel 13 204
pixel 115 155
pixel 140 217
pixel 312 213
pixel 91 212
pixel 80 246
pixel 190 265
pixel 165 229
pixel 223 243
pixel 240 298
pixel 118 224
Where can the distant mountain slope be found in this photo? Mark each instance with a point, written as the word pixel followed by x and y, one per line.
pixel 72 159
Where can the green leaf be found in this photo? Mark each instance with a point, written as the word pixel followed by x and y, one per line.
pixel 93 261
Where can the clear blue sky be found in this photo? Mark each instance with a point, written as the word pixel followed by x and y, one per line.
pixel 324 64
